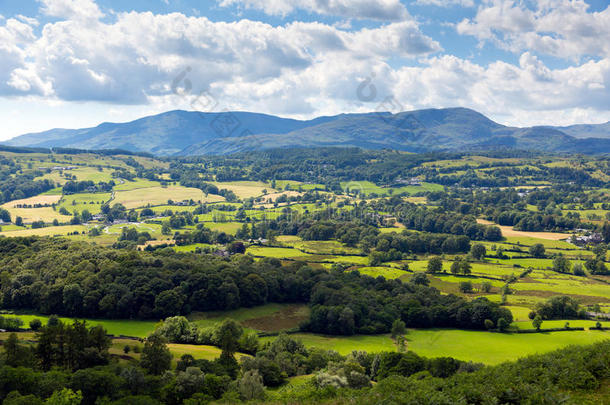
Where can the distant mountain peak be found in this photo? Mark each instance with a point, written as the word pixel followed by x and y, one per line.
pixel 180 132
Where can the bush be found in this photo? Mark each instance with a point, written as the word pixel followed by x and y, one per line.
pixel 35 324
pixel 538 250
pixel 465 287
pixel 251 386
pixel 486 287
pixel 435 265
pixel 503 324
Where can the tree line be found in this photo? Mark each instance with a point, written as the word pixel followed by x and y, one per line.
pixel 56 276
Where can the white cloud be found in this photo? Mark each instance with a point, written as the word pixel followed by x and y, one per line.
pixel 383 10
pixel 522 95
pixel 446 3
pixel 15 37
pixel 71 9
pixel 561 28
pixel 139 54
pixel 297 69
pixel 27 20
pixel 528 94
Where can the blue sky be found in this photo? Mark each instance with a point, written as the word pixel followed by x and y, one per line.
pixel 77 63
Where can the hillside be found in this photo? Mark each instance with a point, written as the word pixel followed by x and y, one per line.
pixel 587 130
pixel 195 133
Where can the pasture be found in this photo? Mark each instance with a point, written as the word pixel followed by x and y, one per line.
pixel 367 188
pixel 86 173
pixel 245 189
pixel 493 348
pixel 477 346
pixel 46 214
pixel 386 272
pixel 297 185
pixel 91 202
pixel 227 227
pixel 48 231
pixel 43 199
pixel 124 185
pixel 141 197
pixel 198 351
pixel 116 327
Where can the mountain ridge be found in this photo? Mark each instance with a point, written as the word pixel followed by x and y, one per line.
pixel 180 132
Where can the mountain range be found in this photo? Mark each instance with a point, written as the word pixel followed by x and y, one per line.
pixel 176 133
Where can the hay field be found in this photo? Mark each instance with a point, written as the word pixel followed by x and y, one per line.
pixel 142 197
pixel 508 231
pixel 39 199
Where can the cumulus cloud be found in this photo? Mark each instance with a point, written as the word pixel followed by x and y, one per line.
pixel 71 9
pixel 526 94
pixel 384 10
pixel 299 69
pixel 446 3
pixel 561 28
pixel 15 37
pixel 523 94
pixel 138 54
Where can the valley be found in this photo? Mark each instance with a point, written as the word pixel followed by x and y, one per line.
pixel 503 232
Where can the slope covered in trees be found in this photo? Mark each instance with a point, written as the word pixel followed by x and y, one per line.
pixel 55 276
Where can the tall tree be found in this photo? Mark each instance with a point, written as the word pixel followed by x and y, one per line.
pixel 156 357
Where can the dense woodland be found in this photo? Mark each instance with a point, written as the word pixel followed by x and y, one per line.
pixel 54 276
pixel 331 165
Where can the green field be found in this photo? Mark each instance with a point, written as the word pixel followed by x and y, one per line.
pixel 387 272
pixel 367 188
pixel 296 185
pixel 330 247
pixel 227 227
pixel 245 189
pixel 49 231
pixel 529 241
pixel 278 253
pixel 574 323
pixel 345 344
pixel 115 327
pixel 520 314
pixel 82 174
pixel 493 348
pixel 91 202
pixel 136 184
pixel 477 346
pixel 198 351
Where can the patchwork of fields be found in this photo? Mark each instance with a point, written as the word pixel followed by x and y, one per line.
pixel 508 273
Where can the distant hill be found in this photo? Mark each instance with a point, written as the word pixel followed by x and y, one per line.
pixel 587 130
pixel 196 133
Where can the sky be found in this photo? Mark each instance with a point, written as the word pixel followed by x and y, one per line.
pixel 78 63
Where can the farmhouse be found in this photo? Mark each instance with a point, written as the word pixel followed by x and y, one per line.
pixel 594 238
